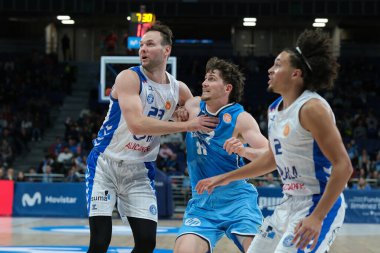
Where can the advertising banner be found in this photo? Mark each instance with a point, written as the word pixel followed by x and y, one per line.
pixel 269 198
pixel 362 206
pixel 50 200
pixel 6 196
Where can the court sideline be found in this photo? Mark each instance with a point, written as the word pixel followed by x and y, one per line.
pixel 46 232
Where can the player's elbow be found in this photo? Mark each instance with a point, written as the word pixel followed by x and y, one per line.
pixel 135 124
pixel 349 168
pixel 135 129
pixel 346 168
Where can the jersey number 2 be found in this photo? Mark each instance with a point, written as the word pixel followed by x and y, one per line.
pixel 277 147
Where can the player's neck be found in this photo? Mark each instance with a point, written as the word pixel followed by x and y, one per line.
pixel 214 105
pixel 157 75
pixel 289 97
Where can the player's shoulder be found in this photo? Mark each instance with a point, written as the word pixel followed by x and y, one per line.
pixel 244 119
pixel 314 104
pixel 193 102
pixel 182 85
pixel 127 74
pixel 314 111
pixel 126 81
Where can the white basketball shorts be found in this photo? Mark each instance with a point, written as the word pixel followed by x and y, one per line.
pixel 277 231
pixel 130 186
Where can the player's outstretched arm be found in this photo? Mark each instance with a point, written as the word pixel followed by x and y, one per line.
pixel 317 118
pixel 126 90
pixel 262 165
pixel 247 131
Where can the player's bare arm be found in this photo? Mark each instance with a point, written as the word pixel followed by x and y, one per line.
pixel 246 131
pixel 181 114
pixel 184 93
pixel 126 90
pixel 317 118
pixel 262 165
pixel 193 107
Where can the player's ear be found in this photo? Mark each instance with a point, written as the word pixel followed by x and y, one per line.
pixel 297 73
pixel 229 87
pixel 168 50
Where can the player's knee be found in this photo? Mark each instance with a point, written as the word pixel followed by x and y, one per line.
pixel 187 244
pixel 181 249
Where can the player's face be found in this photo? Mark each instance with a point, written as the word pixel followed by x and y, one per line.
pixel 213 87
pixel 280 73
pixel 151 52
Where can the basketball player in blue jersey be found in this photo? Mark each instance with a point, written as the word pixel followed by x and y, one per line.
pixel 120 166
pixel 231 210
pixel 307 149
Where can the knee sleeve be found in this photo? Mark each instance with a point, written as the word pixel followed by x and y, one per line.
pixel 144 234
pixel 100 234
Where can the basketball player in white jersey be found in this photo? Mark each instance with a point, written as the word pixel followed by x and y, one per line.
pixel 120 166
pixel 305 147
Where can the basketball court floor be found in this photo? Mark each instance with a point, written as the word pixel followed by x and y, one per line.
pixel 41 235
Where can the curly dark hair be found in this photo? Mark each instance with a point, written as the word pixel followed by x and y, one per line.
pixel 314 56
pixel 230 73
pixel 166 33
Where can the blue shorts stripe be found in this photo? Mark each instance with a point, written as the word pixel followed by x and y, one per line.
pixel 327 222
pixel 151 172
pixel 90 175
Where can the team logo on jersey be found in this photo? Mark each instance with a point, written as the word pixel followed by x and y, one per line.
pixel 193 222
pixel 267 233
pixel 227 118
pixel 286 130
pixel 153 209
pixel 101 197
pixel 168 105
pixel 287 242
pixel 150 98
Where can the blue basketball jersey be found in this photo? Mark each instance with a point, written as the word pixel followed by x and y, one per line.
pixel 231 209
pixel 205 154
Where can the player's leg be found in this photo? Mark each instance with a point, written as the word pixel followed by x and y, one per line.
pixel 100 233
pixel 242 217
pixel 144 234
pixel 137 203
pixel 272 229
pixel 191 243
pixel 200 230
pixel 244 241
pixel 101 198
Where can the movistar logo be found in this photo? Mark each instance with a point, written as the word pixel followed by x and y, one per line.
pixel 26 200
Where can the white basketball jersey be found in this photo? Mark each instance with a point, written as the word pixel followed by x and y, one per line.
pixel 114 138
pixel 300 163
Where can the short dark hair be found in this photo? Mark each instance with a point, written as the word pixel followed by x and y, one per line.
pixel 165 31
pixel 230 73
pixel 314 56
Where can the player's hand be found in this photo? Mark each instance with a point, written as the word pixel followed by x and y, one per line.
pixel 307 231
pixel 208 184
pixel 234 145
pixel 181 114
pixel 202 123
